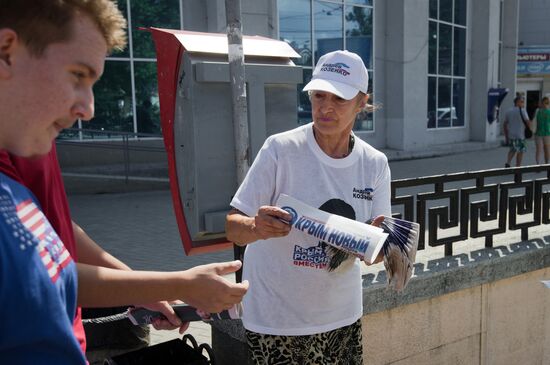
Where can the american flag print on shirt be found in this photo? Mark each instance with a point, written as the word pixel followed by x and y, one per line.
pixel 52 252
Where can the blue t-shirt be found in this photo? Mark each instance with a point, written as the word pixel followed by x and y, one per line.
pixel 38 285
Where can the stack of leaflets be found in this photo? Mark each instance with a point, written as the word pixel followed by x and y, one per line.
pixel 346 238
pixel 399 250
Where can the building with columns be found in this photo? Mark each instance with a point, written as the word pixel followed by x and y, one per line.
pixel 533 72
pixel 431 62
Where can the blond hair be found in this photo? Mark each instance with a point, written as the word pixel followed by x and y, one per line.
pixel 40 23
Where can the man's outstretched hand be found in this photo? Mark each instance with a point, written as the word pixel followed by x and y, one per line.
pixel 209 291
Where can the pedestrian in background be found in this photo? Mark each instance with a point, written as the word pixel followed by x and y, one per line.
pixel 515 122
pixel 542 131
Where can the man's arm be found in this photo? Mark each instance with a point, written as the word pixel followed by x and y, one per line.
pixel 202 287
pixel 105 281
pixel 525 118
pixel 505 130
pixel 91 253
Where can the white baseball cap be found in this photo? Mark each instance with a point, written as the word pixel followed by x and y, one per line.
pixel 341 73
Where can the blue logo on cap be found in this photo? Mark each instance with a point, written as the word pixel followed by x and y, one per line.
pixel 337 67
pixel 340 64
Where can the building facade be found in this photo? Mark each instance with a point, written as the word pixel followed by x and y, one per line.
pixel 533 72
pixel 431 62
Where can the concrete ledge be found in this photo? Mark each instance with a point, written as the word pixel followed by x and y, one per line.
pixel 441 276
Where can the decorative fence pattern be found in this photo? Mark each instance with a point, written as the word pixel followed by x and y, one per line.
pixel 507 199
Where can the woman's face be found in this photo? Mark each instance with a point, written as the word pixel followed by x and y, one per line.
pixel 334 116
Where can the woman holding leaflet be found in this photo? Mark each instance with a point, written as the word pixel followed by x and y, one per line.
pixel 298 308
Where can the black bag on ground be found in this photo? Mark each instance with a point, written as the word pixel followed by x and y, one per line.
pixel 111 338
pixel 174 352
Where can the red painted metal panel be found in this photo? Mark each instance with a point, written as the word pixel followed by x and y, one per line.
pixel 169 52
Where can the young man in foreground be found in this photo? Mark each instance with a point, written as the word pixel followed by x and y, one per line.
pixel 51 54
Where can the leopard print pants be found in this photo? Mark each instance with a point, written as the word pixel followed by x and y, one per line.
pixel 340 346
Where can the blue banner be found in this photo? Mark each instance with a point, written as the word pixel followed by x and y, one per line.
pixel 534 60
pixel 494 98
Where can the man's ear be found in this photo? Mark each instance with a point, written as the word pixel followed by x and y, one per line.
pixel 8 44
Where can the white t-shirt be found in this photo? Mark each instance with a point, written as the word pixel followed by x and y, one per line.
pixel 291 291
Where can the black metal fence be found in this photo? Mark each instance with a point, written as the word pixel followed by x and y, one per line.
pixel 76 134
pixel 474 204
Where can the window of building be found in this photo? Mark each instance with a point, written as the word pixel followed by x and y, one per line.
pixel 126 96
pixel 447 63
pixel 315 27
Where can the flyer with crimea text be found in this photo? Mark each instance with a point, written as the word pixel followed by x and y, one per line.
pixel 360 239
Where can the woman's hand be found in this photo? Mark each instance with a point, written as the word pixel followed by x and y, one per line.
pixel 377 222
pixel 271 222
pixel 268 222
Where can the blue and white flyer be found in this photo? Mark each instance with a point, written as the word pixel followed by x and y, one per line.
pixel 359 239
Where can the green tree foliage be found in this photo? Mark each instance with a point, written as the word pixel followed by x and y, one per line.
pixel 114 108
pixel 364 22
pixel 152 13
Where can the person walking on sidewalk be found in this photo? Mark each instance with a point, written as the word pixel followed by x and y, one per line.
pixel 51 55
pixel 514 131
pixel 542 134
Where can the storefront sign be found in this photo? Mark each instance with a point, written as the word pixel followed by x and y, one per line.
pixel 533 60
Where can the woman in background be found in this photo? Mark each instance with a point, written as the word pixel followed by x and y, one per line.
pixel 542 134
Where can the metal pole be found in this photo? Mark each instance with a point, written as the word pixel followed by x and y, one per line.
pixel 238 86
pixel 126 147
pixel 238 97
